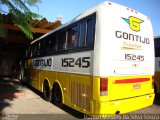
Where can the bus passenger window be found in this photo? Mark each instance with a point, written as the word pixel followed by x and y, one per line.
pixel 82 34
pixel 35 50
pixel 62 40
pixel 48 44
pixel 31 49
pixel 90 30
pixel 72 39
pixel 39 48
pixel 42 47
pixel 54 42
pixel 51 43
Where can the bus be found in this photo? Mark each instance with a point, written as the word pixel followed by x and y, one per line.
pixel 157 65
pixel 101 62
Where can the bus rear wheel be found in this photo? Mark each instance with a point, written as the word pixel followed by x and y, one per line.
pixel 57 95
pixel 46 91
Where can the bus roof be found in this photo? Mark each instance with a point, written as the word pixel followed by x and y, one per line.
pixel 84 14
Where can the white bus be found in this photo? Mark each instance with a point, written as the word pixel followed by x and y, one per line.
pixel 102 62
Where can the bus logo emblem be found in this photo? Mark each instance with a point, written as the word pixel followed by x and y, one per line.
pixel 134 23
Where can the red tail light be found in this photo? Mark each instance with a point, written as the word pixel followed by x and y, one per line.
pixel 103 86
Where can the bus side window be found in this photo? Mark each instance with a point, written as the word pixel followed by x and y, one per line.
pixel 54 42
pixel 34 50
pixel 90 32
pixel 39 48
pixel 72 38
pixel 62 40
pixel 82 34
pixel 51 45
pixel 31 49
pixel 42 46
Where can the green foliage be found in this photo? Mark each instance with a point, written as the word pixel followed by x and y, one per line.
pixel 21 15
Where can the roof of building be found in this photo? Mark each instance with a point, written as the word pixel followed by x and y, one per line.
pixel 40 27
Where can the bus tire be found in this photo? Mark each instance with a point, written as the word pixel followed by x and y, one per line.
pixel 57 95
pixel 46 91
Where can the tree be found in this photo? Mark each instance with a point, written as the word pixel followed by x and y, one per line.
pixel 20 13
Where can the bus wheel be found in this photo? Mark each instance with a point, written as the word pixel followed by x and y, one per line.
pixel 57 95
pixel 46 91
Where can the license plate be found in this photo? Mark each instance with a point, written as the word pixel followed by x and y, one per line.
pixel 136 86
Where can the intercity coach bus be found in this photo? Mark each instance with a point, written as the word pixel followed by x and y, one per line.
pixel 101 62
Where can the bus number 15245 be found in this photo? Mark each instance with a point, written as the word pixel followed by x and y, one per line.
pixel 134 57
pixel 83 62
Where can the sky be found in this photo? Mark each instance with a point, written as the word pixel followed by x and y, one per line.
pixel 68 9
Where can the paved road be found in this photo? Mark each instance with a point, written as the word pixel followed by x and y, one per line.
pixel 24 103
pixel 27 104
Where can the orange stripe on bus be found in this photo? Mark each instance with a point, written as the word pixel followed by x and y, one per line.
pixel 134 80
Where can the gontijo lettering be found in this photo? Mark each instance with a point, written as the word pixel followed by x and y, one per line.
pixel 132 37
pixel 134 23
pixel 42 62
